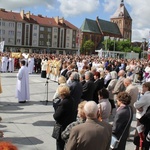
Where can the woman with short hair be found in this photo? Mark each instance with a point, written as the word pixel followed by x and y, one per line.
pixel 64 113
pixel 122 120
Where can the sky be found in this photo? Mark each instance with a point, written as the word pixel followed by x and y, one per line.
pixel 75 11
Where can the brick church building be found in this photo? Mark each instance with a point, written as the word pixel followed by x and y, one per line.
pixel 119 26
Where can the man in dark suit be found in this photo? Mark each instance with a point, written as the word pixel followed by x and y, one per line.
pixel 88 87
pixel 91 135
pixel 98 85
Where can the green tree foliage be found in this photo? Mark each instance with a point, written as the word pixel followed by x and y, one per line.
pixel 123 46
pixel 88 46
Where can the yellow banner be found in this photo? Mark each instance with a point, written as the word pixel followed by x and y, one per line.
pixel 15 55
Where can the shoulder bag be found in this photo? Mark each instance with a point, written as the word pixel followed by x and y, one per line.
pixel 114 141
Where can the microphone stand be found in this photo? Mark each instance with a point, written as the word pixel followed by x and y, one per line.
pixel 46 84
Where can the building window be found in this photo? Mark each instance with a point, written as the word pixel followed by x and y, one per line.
pixel 11 24
pixel 19 25
pixel 18 41
pixel 11 32
pixel 55 36
pixel 2 22
pixel 18 34
pixel 10 40
pixel 49 29
pixel 74 32
pixel 55 30
pixel 41 28
pixel 73 45
pixel 3 32
pixel 35 27
pixel 68 38
pixel 41 36
pixel 34 42
pixel 35 34
pixel 67 45
pixel 68 31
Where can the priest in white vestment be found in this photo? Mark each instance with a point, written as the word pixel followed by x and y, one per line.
pixel 23 93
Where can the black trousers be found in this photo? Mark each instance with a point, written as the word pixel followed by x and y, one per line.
pixel 60 144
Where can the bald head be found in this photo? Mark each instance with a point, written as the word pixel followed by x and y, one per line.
pixel 127 82
pixel 91 109
pixel 121 73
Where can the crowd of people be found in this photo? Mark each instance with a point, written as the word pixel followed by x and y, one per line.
pixel 90 90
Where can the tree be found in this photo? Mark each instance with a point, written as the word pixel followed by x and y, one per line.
pixel 88 46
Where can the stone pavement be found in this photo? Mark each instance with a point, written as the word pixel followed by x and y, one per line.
pixel 29 125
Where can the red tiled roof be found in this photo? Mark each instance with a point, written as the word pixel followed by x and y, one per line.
pixel 9 15
pixel 70 25
pixel 39 19
pixel 43 20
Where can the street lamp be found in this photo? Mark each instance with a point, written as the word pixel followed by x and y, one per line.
pixel 106 38
pixel 143 41
pixel 48 42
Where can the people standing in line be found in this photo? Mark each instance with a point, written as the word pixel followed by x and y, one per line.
pixel 123 114
pixel 64 113
pixel 91 135
pixel 22 92
pixel 88 87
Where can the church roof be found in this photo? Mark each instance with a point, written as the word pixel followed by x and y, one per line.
pixel 121 12
pixel 100 26
pixel 109 27
pixel 90 26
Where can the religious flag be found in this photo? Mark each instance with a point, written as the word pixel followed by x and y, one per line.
pixel 2 46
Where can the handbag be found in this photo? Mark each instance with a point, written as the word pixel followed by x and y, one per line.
pixel 56 131
pixel 114 141
pixel 56 101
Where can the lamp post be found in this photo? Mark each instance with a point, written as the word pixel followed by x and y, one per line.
pixel 48 42
pixel 144 40
pixel 106 38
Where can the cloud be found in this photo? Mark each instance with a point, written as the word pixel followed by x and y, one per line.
pixel 76 7
pixel 16 4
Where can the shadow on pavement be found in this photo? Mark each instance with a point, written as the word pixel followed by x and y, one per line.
pixel 44 123
pixel 23 140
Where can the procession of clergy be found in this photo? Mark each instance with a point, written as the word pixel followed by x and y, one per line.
pixel 49 67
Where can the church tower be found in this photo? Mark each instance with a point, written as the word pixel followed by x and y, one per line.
pixel 122 18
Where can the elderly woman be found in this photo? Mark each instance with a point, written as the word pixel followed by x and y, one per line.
pixel 122 120
pixel 110 88
pixel 61 81
pixel 64 113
